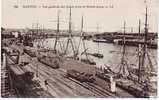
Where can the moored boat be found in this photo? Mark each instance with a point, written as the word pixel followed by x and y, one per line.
pixel 97 55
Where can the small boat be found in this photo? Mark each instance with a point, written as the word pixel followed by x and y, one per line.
pixel 97 55
pixel 103 40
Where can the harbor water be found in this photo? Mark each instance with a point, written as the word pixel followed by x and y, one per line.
pixel 112 52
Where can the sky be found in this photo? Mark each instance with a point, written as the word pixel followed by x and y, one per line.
pixel 107 19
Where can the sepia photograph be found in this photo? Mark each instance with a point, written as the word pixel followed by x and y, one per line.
pixel 79 48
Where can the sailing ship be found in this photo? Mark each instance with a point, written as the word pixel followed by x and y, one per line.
pixel 136 81
pixel 98 55
pixel 52 57
pixel 86 60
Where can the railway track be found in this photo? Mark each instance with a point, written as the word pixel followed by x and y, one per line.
pixel 86 86
pixel 93 88
pixel 90 86
pixel 102 90
pixel 28 92
pixel 55 84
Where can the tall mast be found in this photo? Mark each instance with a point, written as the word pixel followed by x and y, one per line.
pixel 58 21
pixel 145 40
pixel 123 54
pixel 37 33
pixel 81 35
pixel 145 72
pixel 70 23
pixel 70 36
pixel 139 52
pixel 57 31
pixel 139 27
pixel 37 26
pixel 84 46
pixel 123 67
pixel 42 35
pixel 82 24
pixel 144 76
pixel 97 33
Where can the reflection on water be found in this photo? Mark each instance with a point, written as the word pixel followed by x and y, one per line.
pixel 111 52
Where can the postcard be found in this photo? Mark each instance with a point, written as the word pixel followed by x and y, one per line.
pixel 79 48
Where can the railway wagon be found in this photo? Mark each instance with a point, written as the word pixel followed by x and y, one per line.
pixel 20 78
pixel 30 52
pixel 53 62
pixel 80 76
pixel 132 89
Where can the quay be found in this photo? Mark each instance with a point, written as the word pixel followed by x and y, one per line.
pixel 58 83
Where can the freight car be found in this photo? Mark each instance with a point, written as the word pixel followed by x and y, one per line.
pixel 30 52
pixel 132 89
pixel 80 76
pixel 53 62
pixel 20 78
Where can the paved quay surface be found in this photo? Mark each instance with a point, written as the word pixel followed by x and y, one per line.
pixel 58 84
